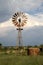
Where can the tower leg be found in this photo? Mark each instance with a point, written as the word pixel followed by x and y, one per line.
pixel 20 41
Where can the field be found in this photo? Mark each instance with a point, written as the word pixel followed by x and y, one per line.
pixel 11 59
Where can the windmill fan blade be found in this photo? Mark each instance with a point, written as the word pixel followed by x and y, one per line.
pixel 19 19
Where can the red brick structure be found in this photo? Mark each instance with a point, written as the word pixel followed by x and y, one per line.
pixel 33 51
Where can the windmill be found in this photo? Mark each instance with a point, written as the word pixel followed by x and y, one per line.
pixel 19 20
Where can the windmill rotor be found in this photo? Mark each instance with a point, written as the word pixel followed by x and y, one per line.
pixel 19 18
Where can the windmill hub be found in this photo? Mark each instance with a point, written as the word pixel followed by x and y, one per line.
pixel 19 19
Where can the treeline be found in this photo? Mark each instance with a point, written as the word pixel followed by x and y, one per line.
pixel 7 49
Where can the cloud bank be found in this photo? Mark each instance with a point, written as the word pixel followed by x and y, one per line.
pixel 9 7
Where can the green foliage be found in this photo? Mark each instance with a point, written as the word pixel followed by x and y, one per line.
pixel 0 44
pixel 41 45
pixel 41 53
pixel 20 60
pixel 35 46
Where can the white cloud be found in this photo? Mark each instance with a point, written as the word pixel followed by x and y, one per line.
pixel 5 27
pixel 24 5
pixel 32 22
pixel 9 7
pixel 36 20
pixel 6 24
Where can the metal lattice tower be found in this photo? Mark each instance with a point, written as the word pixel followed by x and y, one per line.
pixel 19 38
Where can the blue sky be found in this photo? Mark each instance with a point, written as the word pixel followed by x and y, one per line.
pixel 33 31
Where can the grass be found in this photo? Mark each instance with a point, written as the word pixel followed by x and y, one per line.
pixel 11 59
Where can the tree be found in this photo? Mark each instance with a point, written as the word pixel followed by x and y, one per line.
pixel 41 49
pixel 41 45
pixel 35 46
pixel 0 46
